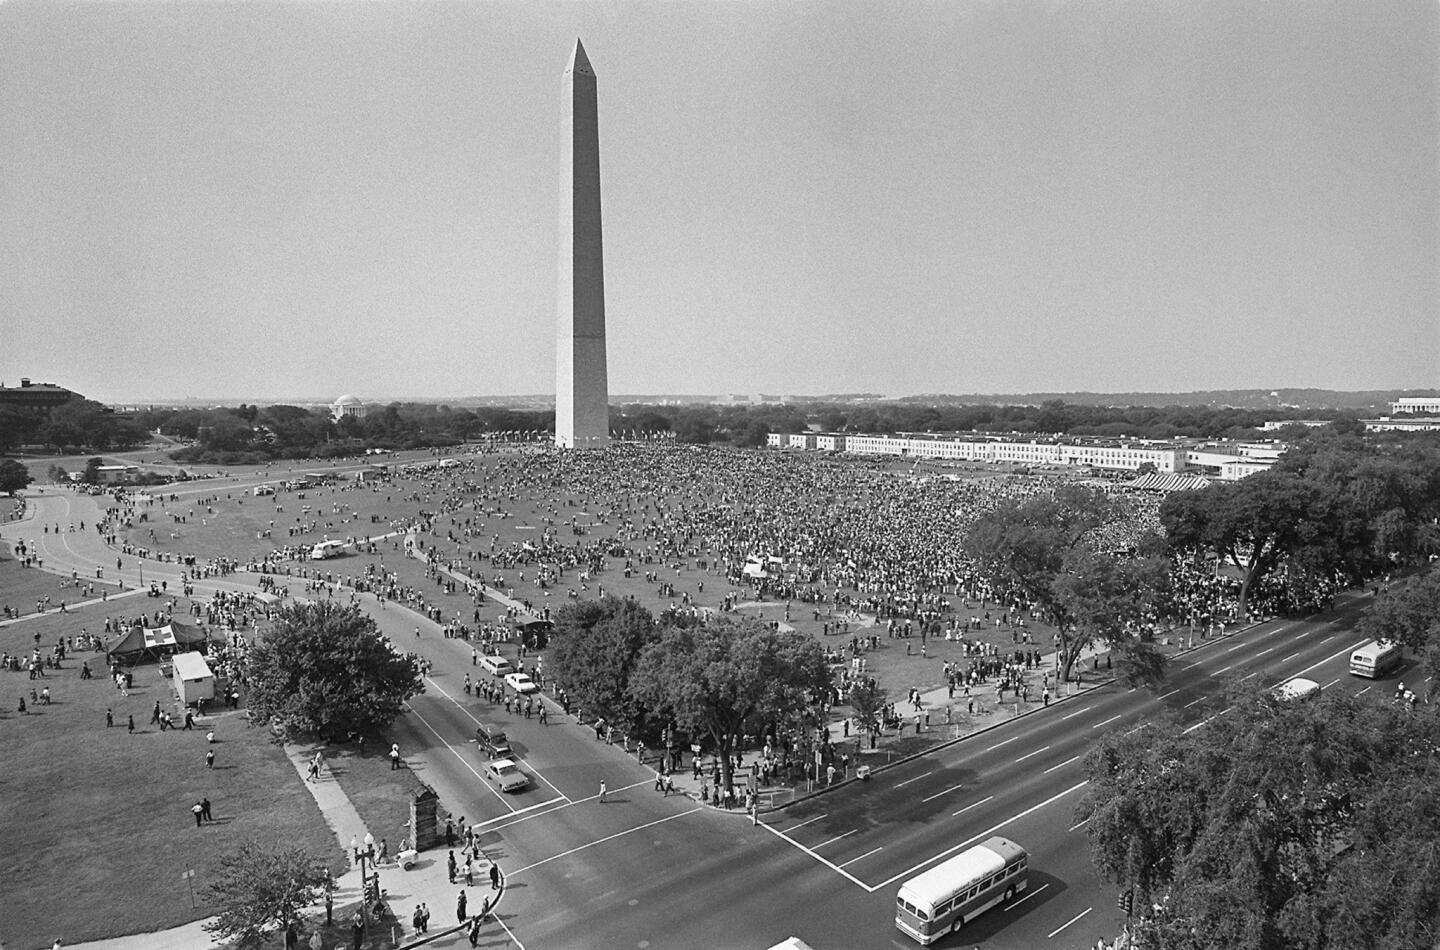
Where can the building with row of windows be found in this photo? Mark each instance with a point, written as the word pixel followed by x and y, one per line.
pixel 1227 461
pixel 1421 405
pixel 35 399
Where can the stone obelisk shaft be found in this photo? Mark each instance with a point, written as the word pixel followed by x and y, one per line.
pixel 582 411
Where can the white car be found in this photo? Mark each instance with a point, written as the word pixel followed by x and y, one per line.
pixel 521 683
pixel 505 775
pixel 496 665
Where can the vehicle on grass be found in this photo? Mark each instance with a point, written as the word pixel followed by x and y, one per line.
pixel 1296 689
pixel 1375 658
pixel 521 683
pixel 505 775
pixel 492 741
pixel 496 665
pixel 325 550
pixel 942 899
pixel 264 490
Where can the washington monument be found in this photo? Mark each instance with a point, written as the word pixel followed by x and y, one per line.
pixel 582 389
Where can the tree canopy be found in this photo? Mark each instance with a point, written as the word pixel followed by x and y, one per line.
pixel 594 650
pixel 13 476
pixel 261 889
pixel 1297 825
pixel 729 677
pixel 325 670
pixel 1047 549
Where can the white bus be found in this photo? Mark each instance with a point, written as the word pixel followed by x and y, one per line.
pixel 1375 658
pixel 943 898
pixel 327 549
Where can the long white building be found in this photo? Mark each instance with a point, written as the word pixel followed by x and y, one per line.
pixel 1226 460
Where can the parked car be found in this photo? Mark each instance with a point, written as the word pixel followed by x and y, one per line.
pixel 505 775
pixel 521 683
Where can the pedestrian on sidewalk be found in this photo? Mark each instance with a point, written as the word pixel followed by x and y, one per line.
pixel 196 811
pixel 210 758
pixel 602 791
pixel 450 866
pixel 494 876
pixel 205 810
pixel 394 756
pixel 460 907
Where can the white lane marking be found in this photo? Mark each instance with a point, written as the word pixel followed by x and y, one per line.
pixel 1061 765
pixel 1106 722
pixel 1080 825
pixel 1143 725
pixel 618 834
pixel 806 822
pixel 915 779
pixel 1169 694
pixel 999 744
pixel 1194 701
pixel 482 824
pixel 823 860
pixel 1069 922
pixel 1248 675
pixel 463 761
pixel 1329 638
pixel 1264 651
pixel 1363 691
pixel 1078 712
pixel 971 805
pixel 1030 754
pixel 471 716
pixel 1332 656
pixel 1028 895
pixel 938 794
pixel 1289 658
pixel 1226 670
pixel 837 838
pixel 865 855
pixel 1235 647
pixel 1332 683
pixel 980 837
pixel 1204 721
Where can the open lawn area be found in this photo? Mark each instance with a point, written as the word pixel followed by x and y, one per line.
pixel 21 587
pixel 89 809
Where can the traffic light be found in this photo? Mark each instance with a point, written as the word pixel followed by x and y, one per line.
pixel 1126 902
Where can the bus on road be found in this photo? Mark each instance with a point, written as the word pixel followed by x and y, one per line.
pixel 1375 658
pixel 942 899
pixel 327 549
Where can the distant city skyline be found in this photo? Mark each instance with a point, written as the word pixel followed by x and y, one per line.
pixel 226 200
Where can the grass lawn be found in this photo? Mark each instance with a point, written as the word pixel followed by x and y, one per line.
pixel 90 809
pixel 21 587
pixel 380 795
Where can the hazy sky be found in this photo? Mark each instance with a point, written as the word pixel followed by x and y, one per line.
pixel 257 200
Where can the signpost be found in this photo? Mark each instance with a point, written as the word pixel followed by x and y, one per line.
pixel 189 878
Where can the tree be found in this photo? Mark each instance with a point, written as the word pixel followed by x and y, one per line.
pixel 1255 522
pixel 263 889
pixel 1308 825
pixel 326 670
pixel 868 701
pixel 13 476
pixel 1045 548
pixel 91 475
pixel 729 677
pixel 594 650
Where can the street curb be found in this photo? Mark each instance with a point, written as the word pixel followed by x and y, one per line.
pixel 994 725
pixel 457 928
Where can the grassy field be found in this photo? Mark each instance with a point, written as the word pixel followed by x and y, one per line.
pixel 231 522
pixel 92 810
pixel 21 587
